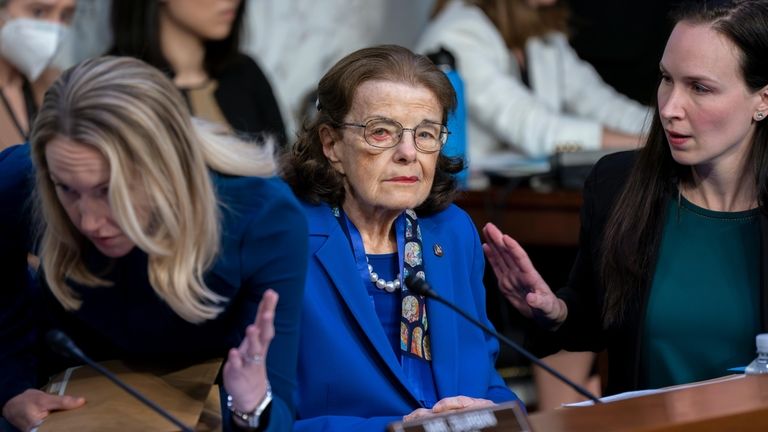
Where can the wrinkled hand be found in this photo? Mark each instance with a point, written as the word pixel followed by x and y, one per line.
pixel 27 410
pixel 245 373
pixel 519 281
pixel 454 403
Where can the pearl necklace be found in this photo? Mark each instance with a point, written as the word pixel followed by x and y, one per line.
pixel 388 286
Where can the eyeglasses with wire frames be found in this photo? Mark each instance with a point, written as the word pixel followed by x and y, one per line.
pixel 385 133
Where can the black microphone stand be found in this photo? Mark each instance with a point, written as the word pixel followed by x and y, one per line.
pixel 65 346
pixel 421 287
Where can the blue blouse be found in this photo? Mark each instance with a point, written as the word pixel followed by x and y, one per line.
pixel 387 305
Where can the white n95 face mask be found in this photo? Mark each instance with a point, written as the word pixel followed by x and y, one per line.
pixel 30 44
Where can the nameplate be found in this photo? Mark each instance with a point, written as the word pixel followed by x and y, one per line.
pixel 506 417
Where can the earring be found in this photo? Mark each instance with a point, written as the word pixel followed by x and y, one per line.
pixel 759 116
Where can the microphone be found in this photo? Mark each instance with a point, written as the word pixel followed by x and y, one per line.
pixel 63 345
pixel 421 287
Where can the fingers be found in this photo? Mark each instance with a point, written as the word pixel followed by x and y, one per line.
pixel 29 409
pixel 504 252
pixel 518 279
pixel 510 262
pixel 245 372
pixel 492 233
pixel 417 414
pixel 451 403
pixel 514 255
pixel 234 358
pixel 550 306
pixel 494 246
pixel 265 317
pixel 252 350
pixel 57 403
pixel 456 403
pixel 259 335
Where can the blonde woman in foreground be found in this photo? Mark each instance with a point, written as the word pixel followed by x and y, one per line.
pixel 161 241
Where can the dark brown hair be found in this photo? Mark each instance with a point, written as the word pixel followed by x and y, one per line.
pixel 136 33
pixel 306 168
pixel 633 231
pixel 516 20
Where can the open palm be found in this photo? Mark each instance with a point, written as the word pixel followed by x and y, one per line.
pixel 518 280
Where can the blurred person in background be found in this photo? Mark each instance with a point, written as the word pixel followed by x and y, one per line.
pixel 525 87
pixel 197 44
pixel 31 32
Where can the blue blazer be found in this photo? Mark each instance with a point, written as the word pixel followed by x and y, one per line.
pixel 349 377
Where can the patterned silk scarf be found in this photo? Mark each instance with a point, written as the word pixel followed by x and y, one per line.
pixel 414 326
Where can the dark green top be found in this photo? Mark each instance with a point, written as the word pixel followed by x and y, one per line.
pixel 704 306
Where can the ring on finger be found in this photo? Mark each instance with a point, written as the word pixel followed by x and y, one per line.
pixel 253 359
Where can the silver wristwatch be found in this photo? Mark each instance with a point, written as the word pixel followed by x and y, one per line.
pixel 250 419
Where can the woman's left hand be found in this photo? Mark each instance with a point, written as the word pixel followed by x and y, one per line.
pixel 454 403
pixel 245 373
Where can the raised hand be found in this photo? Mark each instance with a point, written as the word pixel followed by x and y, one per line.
pixel 28 410
pixel 245 373
pixel 519 281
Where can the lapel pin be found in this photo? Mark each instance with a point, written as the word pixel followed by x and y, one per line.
pixel 437 249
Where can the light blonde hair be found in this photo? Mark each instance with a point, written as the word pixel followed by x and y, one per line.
pixel 159 161
pixel 517 21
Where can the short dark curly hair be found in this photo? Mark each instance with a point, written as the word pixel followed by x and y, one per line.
pixel 305 166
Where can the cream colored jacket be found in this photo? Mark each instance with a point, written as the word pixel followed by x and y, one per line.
pixel 568 103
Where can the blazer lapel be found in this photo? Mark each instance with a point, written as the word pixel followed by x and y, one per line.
pixel 336 257
pixel 442 320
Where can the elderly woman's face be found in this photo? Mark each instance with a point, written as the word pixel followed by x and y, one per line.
pixel 378 179
pixel 80 174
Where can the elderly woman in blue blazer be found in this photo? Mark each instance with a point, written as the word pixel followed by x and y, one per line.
pixel 377 192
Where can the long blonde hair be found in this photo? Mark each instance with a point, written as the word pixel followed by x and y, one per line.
pixel 159 160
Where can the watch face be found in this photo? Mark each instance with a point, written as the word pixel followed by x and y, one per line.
pixel 245 420
pixel 252 422
pixel 250 419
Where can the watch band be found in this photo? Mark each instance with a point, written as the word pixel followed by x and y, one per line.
pixel 250 419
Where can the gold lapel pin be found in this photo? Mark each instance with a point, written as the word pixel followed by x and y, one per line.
pixel 437 249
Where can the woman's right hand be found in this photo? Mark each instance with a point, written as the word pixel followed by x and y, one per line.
pixel 519 281
pixel 27 410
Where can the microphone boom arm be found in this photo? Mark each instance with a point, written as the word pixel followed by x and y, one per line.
pixel 62 344
pixel 421 287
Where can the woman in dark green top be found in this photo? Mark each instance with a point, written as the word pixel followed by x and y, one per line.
pixel 670 277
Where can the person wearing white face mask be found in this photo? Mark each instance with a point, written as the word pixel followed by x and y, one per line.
pixel 31 32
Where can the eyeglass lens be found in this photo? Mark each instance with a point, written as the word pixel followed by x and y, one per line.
pixel 429 136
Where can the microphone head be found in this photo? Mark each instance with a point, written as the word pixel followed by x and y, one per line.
pixel 419 286
pixel 62 344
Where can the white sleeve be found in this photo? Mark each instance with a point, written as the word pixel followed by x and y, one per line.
pixel 587 95
pixel 497 101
